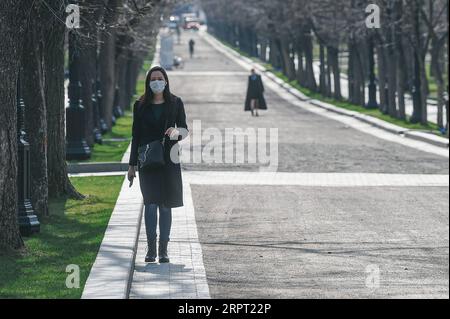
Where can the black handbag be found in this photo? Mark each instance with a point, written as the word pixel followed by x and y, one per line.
pixel 151 155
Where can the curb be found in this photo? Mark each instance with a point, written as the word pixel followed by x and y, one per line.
pixel 392 128
pixel 78 168
pixel 112 272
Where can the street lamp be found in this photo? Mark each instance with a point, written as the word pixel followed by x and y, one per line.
pixel 103 126
pixel 77 147
pixel 118 112
pixel 97 133
pixel 28 221
pixel 99 97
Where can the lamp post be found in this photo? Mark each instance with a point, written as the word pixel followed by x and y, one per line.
pixel 113 119
pixel 118 112
pixel 103 126
pixel 99 97
pixel 372 103
pixel 28 221
pixel 77 148
pixel 97 133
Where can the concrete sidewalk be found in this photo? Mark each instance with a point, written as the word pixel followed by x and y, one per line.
pixel 184 277
pixel 112 270
pixel 119 271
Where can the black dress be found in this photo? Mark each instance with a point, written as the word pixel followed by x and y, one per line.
pixel 255 90
pixel 162 185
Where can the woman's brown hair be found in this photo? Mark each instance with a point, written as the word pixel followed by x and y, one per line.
pixel 147 98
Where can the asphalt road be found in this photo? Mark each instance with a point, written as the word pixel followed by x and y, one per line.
pixel 299 242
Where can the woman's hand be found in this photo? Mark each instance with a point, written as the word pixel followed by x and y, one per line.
pixel 131 174
pixel 173 133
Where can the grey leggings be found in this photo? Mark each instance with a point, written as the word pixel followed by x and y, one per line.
pixel 151 219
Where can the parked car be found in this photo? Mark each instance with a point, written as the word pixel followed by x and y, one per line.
pixel 194 25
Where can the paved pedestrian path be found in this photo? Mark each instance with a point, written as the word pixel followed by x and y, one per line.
pixel 184 277
pixel 111 273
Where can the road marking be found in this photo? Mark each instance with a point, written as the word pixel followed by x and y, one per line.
pixel 314 179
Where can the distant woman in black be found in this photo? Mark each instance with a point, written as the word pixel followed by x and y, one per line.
pixel 255 94
pixel 160 187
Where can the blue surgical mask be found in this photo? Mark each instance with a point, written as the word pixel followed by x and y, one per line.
pixel 157 86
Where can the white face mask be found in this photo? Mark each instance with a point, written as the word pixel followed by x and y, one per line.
pixel 157 86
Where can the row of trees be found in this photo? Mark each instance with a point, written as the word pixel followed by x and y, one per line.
pixel 411 33
pixel 114 38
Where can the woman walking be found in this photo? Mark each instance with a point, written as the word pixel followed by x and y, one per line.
pixel 255 94
pixel 158 116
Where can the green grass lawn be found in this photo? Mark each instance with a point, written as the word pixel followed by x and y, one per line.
pixel 431 127
pixel 112 151
pixel 71 235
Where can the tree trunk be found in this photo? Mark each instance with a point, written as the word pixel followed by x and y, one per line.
pixel 87 68
pixel 288 62
pixel 401 83
pixel 322 76
pixel 333 55
pixel 272 53
pixel 424 91
pixel 87 76
pixel 416 91
pixel 436 57
pixel 107 72
pixel 12 16
pixel 356 75
pixel 400 59
pixel 309 60
pixel 53 57
pixel 32 92
pixel 351 72
pixel 263 53
pixel 279 61
pixel 381 78
pixel 108 62
pixel 122 82
pixel 418 87
pixel 300 67
pixel 130 75
pixel 362 74
pixel 328 78
pixel 240 38
pixel 254 43
pixel 392 78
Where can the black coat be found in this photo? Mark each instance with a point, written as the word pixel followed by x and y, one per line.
pixel 163 185
pixel 255 90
